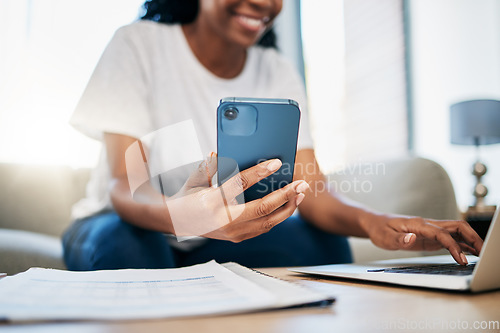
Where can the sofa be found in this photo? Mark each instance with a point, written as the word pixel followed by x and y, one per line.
pixel 35 205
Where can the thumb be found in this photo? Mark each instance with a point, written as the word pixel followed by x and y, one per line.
pixel 202 176
pixel 211 165
pixel 407 240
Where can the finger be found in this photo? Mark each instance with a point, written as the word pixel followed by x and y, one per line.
pixel 246 178
pixel 274 200
pixel 468 248
pixel 407 240
pixel 440 235
pixel 265 224
pixel 211 164
pixel 392 240
pixel 425 244
pixel 463 230
pixel 266 205
pixel 202 176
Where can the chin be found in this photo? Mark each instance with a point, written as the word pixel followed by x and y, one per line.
pixel 246 41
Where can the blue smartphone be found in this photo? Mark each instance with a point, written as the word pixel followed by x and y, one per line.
pixel 252 130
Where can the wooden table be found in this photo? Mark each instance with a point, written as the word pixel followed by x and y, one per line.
pixel 360 307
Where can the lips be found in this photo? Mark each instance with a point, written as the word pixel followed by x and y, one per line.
pixel 252 23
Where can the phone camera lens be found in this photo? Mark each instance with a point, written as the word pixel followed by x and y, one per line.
pixel 231 113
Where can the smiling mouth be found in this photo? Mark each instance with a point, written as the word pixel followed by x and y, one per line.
pixel 252 23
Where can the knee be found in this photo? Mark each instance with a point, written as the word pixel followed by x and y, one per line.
pixel 117 234
pixel 110 243
pixel 121 245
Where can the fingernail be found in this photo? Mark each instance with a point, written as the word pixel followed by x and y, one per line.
pixel 274 165
pixel 302 187
pixel 407 238
pixel 299 199
pixel 464 258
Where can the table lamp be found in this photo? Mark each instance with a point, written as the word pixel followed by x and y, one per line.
pixel 476 122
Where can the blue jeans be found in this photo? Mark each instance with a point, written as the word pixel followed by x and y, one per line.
pixel 105 241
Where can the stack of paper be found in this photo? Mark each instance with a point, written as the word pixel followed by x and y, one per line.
pixel 205 289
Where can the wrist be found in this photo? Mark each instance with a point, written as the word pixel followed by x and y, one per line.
pixel 369 221
pixel 159 218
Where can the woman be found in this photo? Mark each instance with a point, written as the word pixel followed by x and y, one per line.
pixel 154 75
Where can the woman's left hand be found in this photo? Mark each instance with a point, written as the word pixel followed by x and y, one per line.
pixel 395 232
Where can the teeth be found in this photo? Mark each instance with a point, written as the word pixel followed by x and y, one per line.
pixel 254 22
pixel 251 21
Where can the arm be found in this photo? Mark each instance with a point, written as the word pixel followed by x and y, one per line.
pixel 332 213
pixel 327 210
pixel 147 211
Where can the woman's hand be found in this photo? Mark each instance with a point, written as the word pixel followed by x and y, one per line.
pixel 393 232
pixel 200 209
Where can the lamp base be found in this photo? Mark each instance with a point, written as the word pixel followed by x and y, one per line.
pixel 479 218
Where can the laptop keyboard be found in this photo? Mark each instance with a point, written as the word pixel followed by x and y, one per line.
pixel 438 269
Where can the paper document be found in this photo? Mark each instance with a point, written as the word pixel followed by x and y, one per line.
pixel 205 289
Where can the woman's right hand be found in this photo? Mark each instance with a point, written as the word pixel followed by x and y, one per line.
pixel 213 212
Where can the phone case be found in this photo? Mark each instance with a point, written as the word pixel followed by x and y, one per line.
pixel 250 131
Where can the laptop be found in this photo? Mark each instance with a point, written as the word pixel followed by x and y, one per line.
pixel 440 272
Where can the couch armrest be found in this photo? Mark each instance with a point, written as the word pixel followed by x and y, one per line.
pixel 409 186
pixel 39 198
pixel 20 250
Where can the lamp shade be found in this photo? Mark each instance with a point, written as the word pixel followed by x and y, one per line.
pixel 475 122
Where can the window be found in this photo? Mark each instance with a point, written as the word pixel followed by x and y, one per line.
pixel 354 54
pixel 455 57
pixel 324 56
pixel 49 49
pixel 355 69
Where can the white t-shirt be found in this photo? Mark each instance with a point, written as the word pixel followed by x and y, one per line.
pixel 148 79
